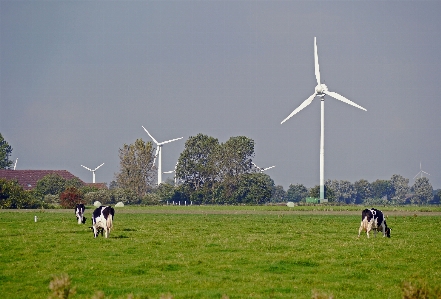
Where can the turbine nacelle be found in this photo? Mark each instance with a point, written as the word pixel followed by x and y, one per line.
pixel 320 90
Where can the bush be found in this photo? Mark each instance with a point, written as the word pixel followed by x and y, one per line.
pixel 51 199
pixel 126 196
pixel 12 196
pixel 103 196
pixel 70 198
pixel 151 199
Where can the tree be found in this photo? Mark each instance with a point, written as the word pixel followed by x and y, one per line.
pixel 382 188
pixel 423 191
pixel 400 186
pixel 196 164
pixel 136 167
pixel 253 188
pixel 235 157
pixel 52 184
pixel 5 153
pixel 363 190
pixel 342 191
pixel 279 194
pixel 296 193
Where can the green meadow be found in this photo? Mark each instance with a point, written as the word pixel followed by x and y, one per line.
pixel 223 252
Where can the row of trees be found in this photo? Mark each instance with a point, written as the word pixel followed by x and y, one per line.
pixel 393 191
pixel 223 173
pixel 207 172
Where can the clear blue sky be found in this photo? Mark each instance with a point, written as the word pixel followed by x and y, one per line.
pixel 78 79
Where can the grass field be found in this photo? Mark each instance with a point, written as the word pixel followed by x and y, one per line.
pixel 240 252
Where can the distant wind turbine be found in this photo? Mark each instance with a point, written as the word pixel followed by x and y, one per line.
pixel 262 169
pixel 321 90
pixel 158 152
pixel 421 173
pixel 93 171
pixel 173 171
pixel 15 164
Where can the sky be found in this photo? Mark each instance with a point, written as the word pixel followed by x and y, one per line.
pixel 79 79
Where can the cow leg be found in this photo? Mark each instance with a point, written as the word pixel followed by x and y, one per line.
pixel 360 229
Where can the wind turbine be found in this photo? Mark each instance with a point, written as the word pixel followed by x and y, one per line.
pixel 421 172
pixel 262 169
pixel 321 90
pixel 15 164
pixel 158 152
pixel 173 171
pixel 93 171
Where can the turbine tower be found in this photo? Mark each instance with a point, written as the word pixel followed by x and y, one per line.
pixel 93 171
pixel 421 173
pixel 262 169
pixel 321 90
pixel 158 152
pixel 15 164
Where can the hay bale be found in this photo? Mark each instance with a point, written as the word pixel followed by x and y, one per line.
pixel 97 204
pixel 290 204
pixel 119 205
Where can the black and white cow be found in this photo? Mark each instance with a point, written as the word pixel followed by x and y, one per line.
pixel 79 212
pixel 373 219
pixel 102 220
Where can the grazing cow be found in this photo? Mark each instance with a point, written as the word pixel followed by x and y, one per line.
pixel 373 219
pixel 79 212
pixel 102 220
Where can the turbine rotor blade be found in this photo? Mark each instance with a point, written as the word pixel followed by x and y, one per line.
pixel 154 140
pixel 170 141
pixel 269 167
pixel 316 64
pixel 87 168
pixel 171 171
pixel 98 167
pixel 343 99
pixel 303 105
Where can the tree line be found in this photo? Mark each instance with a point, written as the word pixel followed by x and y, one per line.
pixel 207 172
pixel 210 172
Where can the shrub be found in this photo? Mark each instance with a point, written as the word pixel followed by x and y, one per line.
pixel 151 199
pixel 103 196
pixel 12 196
pixel 70 198
pixel 419 289
pixel 60 287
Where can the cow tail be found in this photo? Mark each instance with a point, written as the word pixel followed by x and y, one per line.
pixel 110 221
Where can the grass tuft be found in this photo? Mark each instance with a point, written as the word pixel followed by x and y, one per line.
pixel 419 289
pixel 61 287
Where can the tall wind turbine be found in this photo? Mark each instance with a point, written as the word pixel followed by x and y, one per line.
pixel 321 90
pixel 421 173
pixel 93 171
pixel 15 164
pixel 158 152
pixel 262 169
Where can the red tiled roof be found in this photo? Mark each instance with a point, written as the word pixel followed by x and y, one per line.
pixel 28 178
